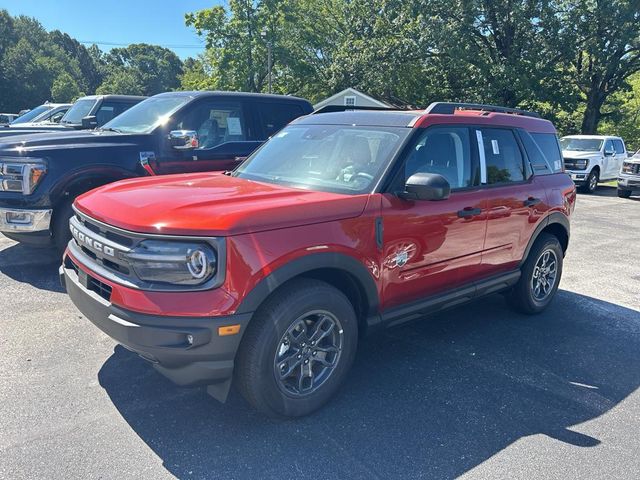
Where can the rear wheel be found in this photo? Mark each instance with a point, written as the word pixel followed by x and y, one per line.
pixel 540 277
pixel 624 193
pixel 297 350
pixel 591 184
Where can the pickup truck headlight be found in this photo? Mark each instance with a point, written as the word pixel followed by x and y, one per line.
pixel 179 263
pixel 21 175
pixel 627 167
pixel 582 163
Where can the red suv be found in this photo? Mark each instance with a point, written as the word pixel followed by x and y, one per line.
pixel 343 223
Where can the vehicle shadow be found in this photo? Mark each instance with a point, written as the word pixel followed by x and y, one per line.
pixel 35 266
pixel 432 399
pixel 609 191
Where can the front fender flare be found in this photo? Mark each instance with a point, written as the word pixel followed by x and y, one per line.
pixel 308 263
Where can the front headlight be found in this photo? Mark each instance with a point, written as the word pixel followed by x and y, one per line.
pixel 179 263
pixel 627 167
pixel 582 163
pixel 21 175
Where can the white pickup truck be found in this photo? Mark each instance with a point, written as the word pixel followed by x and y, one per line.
pixel 590 159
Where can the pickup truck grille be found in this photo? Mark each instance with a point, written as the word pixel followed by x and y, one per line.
pixel 572 164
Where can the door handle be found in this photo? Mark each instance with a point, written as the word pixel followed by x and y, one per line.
pixel 469 212
pixel 531 202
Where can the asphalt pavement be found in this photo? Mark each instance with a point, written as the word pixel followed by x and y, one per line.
pixel 475 392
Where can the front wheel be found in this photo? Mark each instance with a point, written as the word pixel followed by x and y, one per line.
pixel 297 349
pixel 591 183
pixel 540 277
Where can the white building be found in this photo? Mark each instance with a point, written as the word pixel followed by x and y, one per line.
pixel 354 98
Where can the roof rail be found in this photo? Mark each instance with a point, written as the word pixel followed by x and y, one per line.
pixel 346 108
pixel 449 108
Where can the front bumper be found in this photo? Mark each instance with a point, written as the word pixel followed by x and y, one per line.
pixel 628 182
pixel 187 350
pixel 24 220
pixel 578 176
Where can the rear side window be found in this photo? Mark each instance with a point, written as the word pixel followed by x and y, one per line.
pixel 550 148
pixel 109 110
pixel 274 116
pixel 503 157
pixel 618 145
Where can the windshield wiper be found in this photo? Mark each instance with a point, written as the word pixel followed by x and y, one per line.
pixel 110 129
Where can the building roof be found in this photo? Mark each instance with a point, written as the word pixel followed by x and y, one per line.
pixel 380 101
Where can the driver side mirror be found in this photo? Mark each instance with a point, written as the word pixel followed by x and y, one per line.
pixel 89 122
pixel 426 186
pixel 609 153
pixel 183 139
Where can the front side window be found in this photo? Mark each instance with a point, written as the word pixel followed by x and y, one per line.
pixel 148 114
pixel 109 110
pixel 331 158
pixel 445 151
pixel 216 123
pixel 503 157
pixel 609 148
pixel 619 146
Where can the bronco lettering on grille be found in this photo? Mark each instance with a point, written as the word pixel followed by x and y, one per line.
pixel 91 243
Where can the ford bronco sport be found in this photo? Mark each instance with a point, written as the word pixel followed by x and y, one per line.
pixel 342 224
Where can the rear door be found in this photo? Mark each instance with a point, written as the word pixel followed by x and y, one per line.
pixel 516 199
pixel 226 135
pixel 434 246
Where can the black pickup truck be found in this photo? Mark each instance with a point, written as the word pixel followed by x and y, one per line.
pixel 41 175
pixel 86 113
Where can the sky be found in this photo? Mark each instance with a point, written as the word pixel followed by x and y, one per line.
pixel 160 22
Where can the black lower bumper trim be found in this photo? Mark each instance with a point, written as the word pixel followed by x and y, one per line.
pixel 187 350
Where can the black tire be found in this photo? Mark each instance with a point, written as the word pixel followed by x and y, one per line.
pixel 624 193
pixel 591 183
pixel 523 296
pixel 60 229
pixel 257 359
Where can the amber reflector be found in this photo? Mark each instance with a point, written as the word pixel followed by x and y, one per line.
pixel 228 330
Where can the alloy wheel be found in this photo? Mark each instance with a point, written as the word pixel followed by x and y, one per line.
pixel 544 275
pixel 308 353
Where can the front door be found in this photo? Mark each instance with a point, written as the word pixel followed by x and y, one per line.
pixel 433 246
pixel 224 138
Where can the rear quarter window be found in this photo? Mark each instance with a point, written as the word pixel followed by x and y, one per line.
pixel 550 149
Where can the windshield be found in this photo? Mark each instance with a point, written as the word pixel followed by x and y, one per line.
pixel 78 111
pixel 31 114
pixel 146 115
pixel 331 158
pixel 581 144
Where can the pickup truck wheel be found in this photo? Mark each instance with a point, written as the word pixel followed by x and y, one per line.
pixel 591 184
pixel 624 193
pixel 60 230
pixel 297 349
pixel 540 277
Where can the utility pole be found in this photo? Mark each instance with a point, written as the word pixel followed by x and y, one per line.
pixel 265 35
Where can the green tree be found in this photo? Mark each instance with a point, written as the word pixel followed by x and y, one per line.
pixel 143 68
pixel 65 89
pixel 602 49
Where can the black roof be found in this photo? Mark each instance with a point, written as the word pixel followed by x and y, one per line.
pixel 220 93
pixel 379 118
pixel 114 97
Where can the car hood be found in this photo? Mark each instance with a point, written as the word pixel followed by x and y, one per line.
pixel 212 204
pixel 579 154
pixel 42 142
pixel 633 159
